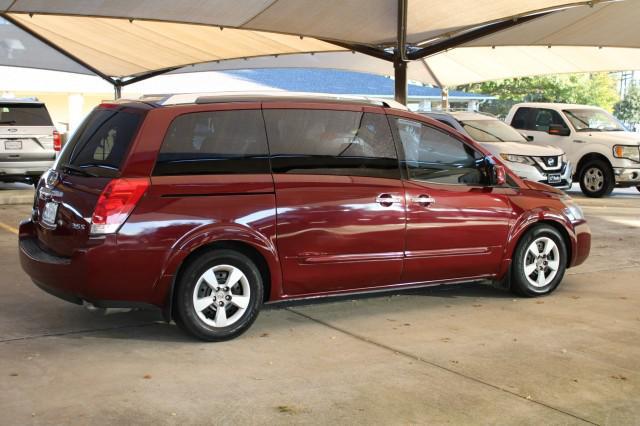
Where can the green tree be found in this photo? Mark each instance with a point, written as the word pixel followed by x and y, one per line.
pixel 628 109
pixel 587 88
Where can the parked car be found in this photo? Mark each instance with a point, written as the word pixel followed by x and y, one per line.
pixel 545 164
pixel 210 206
pixel 28 140
pixel 604 152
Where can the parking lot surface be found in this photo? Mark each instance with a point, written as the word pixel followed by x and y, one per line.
pixel 457 354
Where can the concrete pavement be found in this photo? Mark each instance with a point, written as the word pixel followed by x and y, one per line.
pixel 460 354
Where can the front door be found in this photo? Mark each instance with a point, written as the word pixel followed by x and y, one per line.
pixel 457 223
pixel 340 204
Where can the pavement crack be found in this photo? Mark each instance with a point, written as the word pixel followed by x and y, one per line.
pixel 66 333
pixel 436 365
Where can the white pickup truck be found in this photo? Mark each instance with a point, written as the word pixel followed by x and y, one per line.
pixel 603 152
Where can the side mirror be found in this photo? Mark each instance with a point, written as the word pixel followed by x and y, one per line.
pixel 499 175
pixel 558 130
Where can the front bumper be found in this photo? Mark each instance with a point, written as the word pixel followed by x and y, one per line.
pixel 533 173
pixel 627 176
pixel 582 243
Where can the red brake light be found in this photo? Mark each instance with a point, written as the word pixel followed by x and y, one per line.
pixel 57 141
pixel 116 203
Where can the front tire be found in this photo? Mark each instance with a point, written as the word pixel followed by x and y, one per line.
pixel 539 262
pixel 597 179
pixel 218 296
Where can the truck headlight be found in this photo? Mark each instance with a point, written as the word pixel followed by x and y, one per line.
pixel 517 159
pixel 573 212
pixel 630 152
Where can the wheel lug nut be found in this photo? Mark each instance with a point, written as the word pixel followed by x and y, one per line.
pixel 228 297
pixel 221 303
pixel 226 289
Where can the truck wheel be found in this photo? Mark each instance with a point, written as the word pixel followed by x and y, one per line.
pixel 218 295
pixel 596 179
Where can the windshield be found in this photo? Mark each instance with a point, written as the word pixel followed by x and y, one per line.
pixel 491 131
pixel 593 120
pixel 24 115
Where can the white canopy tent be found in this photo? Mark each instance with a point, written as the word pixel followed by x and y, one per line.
pixel 124 42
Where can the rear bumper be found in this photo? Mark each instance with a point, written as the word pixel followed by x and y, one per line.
pixel 24 168
pixel 83 277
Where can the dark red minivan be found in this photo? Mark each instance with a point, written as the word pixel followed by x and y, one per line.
pixel 209 206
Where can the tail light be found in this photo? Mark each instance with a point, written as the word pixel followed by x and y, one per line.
pixel 116 203
pixel 57 141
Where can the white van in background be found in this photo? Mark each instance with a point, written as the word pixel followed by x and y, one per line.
pixel 604 153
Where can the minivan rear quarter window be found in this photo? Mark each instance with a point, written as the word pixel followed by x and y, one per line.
pixel 100 144
pixel 24 115
pixel 328 142
pixel 214 142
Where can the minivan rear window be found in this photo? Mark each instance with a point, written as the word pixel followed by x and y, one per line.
pixel 99 146
pixel 24 115
pixel 214 142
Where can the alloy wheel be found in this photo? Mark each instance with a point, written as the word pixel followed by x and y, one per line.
pixel 221 295
pixel 541 262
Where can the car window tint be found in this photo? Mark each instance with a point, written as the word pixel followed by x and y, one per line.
pixel 101 142
pixel 331 142
pixel 543 118
pixel 214 142
pixel 435 156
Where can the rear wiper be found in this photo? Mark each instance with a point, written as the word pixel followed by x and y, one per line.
pixel 99 166
pixel 9 122
pixel 69 168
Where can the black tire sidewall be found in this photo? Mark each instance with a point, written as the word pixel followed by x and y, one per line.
pixel 607 173
pixel 185 314
pixel 519 282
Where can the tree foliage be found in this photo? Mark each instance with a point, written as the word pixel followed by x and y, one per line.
pixel 628 109
pixel 588 88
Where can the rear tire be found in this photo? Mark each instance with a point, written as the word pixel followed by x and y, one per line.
pixel 539 262
pixel 596 179
pixel 638 188
pixel 218 295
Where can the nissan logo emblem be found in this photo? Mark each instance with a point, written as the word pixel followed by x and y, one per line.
pixel 551 161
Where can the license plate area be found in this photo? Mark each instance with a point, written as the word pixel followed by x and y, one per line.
pixel 555 178
pixel 13 145
pixel 49 214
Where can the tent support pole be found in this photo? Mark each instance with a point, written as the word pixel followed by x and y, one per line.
pixel 400 56
pixel 400 74
pixel 117 91
pixel 470 36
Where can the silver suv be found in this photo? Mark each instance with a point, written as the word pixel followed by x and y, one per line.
pixel 539 163
pixel 28 140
